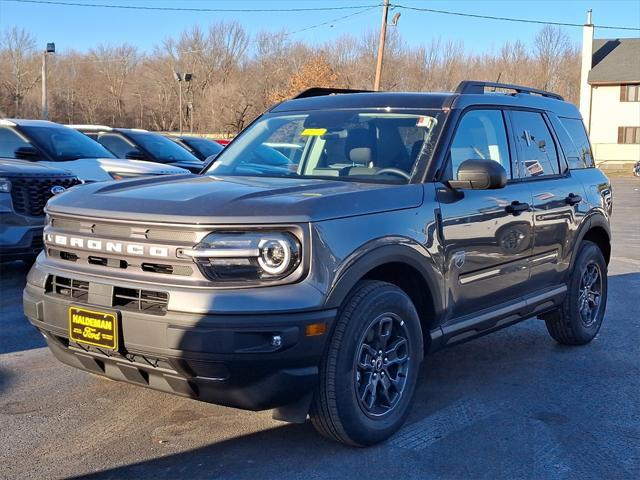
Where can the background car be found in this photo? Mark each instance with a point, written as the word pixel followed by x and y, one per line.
pixel 55 145
pixel 138 144
pixel 25 188
pixel 200 147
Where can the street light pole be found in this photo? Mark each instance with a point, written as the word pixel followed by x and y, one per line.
pixel 180 103
pixel 51 48
pixel 182 77
pixel 383 34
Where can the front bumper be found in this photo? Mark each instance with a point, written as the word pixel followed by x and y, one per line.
pixel 20 236
pixel 220 358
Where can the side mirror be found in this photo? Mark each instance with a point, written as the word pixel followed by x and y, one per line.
pixel 27 153
pixel 135 155
pixel 479 175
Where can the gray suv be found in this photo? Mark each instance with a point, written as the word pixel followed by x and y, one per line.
pixel 25 188
pixel 314 284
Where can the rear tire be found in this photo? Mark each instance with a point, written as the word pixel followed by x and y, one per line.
pixel 369 371
pixel 578 320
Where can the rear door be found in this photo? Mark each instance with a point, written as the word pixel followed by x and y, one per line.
pixel 557 196
pixel 487 234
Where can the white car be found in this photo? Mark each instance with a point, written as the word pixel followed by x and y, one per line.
pixel 56 145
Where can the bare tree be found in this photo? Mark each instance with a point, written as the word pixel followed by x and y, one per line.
pixel 236 77
pixel 20 68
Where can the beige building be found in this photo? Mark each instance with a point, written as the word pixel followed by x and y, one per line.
pixel 610 98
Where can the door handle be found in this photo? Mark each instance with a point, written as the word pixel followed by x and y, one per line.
pixel 573 199
pixel 516 208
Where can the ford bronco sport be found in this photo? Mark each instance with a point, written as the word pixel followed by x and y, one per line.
pixel 315 285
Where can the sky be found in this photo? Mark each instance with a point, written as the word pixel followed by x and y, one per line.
pixel 82 28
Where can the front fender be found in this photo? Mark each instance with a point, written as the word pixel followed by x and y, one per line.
pixel 383 251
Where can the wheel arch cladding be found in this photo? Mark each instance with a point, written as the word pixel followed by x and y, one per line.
pixel 600 237
pixel 404 267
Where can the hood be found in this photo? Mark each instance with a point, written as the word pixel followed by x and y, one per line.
pixel 192 199
pixel 138 166
pixel 23 168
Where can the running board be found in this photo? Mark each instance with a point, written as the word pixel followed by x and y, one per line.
pixel 472 326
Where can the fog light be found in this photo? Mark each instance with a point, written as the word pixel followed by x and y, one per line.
pixel 276 341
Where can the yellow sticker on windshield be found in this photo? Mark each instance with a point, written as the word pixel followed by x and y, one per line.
pixel 313 132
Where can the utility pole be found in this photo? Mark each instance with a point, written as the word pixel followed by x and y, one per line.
pixel 51 48
pixel 383 34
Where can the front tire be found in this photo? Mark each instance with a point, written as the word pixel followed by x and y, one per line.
pixel 369 372
pixel 578 320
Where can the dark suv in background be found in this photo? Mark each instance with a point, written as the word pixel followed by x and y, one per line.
pixel 203 148
pixel 139 144
pixel 313 279
pixel 25 188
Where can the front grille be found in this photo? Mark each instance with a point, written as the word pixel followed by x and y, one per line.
pixel 37 243
pixel 112 230
pixel 30 194
pixel 132 299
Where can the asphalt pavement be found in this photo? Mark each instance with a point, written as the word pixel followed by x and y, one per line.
pixel 513 404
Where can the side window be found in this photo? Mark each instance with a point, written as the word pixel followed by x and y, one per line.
pixel 581 157
pixel 9 142
pixel 481 135
pixel 537 151
pixel 116 144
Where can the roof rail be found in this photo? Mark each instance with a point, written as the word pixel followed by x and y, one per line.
pixel 477 87
pixel 320 91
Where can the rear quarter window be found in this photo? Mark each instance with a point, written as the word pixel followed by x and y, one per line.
pixel 578 148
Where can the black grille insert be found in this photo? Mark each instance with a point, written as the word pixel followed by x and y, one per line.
pixel 30 194
pixel 68 287
pixel 132 299
pixel 146 301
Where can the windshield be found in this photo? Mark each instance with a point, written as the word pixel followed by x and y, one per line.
pixel 369 145
pixel 64 144
pixel 160 148
pixel 204 146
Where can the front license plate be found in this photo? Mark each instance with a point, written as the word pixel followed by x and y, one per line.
pixel 92 327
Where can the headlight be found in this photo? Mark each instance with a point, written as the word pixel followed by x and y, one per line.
pixel 246 256
pixel 5 185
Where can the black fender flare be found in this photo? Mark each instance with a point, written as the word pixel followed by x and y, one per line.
pixel 380 252
pixel 596 219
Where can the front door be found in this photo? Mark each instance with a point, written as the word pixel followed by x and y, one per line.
pixel 488 234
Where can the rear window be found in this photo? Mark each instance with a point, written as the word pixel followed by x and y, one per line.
pixel 578 151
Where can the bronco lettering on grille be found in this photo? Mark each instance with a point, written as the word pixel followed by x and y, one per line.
pixel 106 246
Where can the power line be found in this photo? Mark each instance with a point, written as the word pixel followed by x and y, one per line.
pixel 188 9
pixel 201 50
pixel 506 19
pixel 315 9
pixel 328 22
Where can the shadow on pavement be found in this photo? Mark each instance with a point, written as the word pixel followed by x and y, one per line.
pixel 514 402
pixel 16 333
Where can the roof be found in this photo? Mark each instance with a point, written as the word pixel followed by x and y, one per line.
pixel 366 100
pixel 97 128
pixel 21 122
pixel 424 100
pixel 615 61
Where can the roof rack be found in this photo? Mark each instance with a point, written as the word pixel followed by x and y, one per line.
pixel 477 87
pixel 320 91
